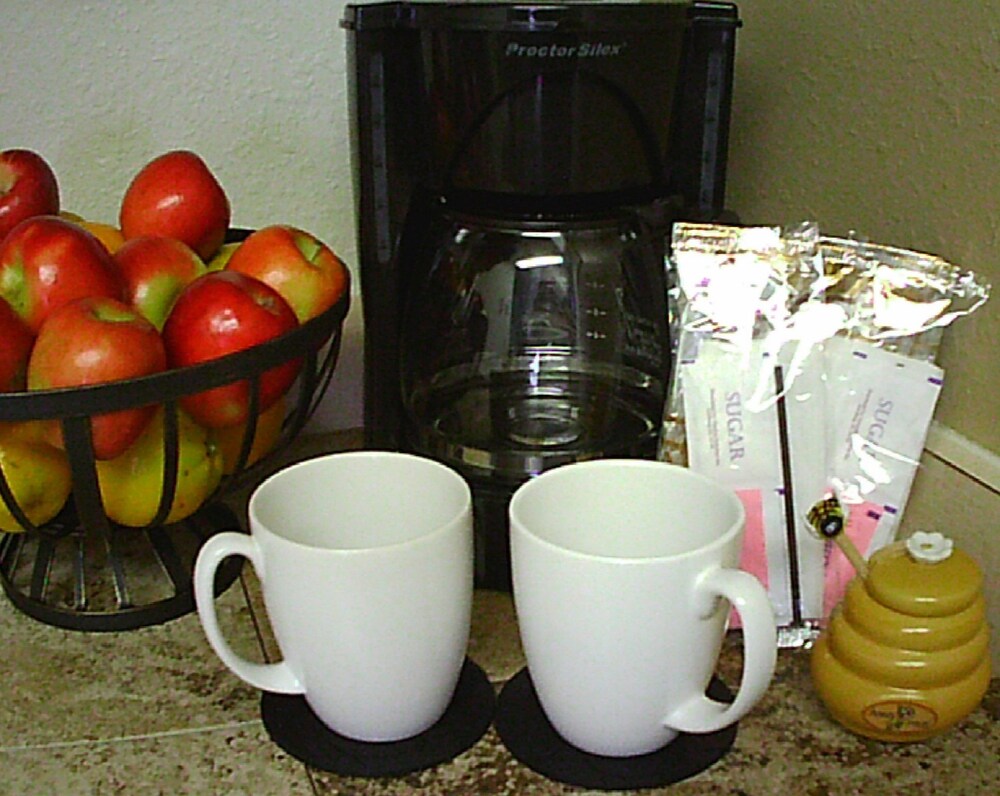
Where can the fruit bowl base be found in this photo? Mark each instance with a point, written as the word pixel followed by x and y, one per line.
pixel 121 579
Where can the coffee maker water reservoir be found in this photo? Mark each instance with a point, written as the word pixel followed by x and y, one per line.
pixel 517 170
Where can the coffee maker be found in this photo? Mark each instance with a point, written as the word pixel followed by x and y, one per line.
pixel 517 168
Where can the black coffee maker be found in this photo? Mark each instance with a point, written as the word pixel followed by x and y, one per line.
pixel 517 169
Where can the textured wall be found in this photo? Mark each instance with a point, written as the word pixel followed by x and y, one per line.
pixel 876 116
pixel 883 117
pixel 256 87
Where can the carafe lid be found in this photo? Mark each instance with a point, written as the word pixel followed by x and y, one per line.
pixel 926 575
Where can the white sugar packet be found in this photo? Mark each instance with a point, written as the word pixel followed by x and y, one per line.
pixel 767 445
pixel 882 404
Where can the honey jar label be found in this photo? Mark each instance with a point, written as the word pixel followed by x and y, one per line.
pixel 900 717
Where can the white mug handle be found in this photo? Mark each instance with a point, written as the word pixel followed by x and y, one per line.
pixel 700 714
pixel 274 677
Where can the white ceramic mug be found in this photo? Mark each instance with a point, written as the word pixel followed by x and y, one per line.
pixel 365 562
pixel 618 570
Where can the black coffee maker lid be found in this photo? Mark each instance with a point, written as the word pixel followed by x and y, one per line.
pixel 566 16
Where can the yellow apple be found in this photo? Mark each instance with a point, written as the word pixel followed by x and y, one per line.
pixel 38 475
pixel 230 438
pixel 131 484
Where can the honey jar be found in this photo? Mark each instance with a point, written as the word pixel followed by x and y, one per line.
pixel 905 655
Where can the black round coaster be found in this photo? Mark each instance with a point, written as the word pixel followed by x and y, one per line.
pixel 530 737
pixel 293 726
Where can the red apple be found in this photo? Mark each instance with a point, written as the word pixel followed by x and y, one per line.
pixel 16 340
pixel 155 271
pixel 176 196
pixel 28 188
pixel 91 341
pixel 217 314
pixel 303 269
pixel 46 262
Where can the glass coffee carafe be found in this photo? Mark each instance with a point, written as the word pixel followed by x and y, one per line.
pixel 517 168
pixel 528 344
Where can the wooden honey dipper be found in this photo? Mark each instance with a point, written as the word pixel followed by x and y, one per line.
pixel 829 520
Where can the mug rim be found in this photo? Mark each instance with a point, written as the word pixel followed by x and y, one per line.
pixel 643 464
pixel 463 510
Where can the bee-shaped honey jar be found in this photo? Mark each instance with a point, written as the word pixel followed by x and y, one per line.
pixel 906 653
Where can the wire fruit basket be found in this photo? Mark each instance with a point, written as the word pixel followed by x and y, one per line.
pixel 83 571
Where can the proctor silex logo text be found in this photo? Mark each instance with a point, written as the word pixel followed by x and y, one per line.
pixel 586 49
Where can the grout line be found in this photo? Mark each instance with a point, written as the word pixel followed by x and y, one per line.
pixel 965 456
pixel 312 781
pixel 258 631
pixel 152 736
pixel 964 473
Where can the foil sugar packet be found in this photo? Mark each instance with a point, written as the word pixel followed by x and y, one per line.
pixel 898 299
pixel 733 287
pixel 804 373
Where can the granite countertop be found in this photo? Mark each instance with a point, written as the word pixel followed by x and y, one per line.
pixel 152 710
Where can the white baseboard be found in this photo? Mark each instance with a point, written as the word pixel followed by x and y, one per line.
pixel 964 455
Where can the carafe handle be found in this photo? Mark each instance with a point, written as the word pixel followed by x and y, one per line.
pixel 700 714
pixel 274 677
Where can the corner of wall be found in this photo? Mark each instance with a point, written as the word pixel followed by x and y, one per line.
pixel 341 407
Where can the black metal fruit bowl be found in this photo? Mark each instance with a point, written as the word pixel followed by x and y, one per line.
pixel 83 571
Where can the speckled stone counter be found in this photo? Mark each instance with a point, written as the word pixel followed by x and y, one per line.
pixel 154 711
pixel 787 745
